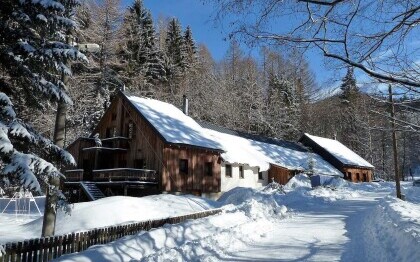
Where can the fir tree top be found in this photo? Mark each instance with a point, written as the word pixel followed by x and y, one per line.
pixel 348 86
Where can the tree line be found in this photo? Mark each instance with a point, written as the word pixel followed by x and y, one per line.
pixel 42 66
pixel 271 95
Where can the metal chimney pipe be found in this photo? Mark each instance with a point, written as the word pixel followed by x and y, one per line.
pixel 185 105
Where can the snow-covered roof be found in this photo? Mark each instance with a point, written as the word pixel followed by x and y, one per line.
pixel 172 124
pixel 340 151
pixel 241 150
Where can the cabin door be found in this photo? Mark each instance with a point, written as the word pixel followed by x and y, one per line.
pixel 87 169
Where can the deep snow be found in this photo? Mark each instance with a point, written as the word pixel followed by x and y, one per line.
pixel 104 212
pixel 346 222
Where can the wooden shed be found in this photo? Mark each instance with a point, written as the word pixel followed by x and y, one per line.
pixel 353 166
pixel 148 141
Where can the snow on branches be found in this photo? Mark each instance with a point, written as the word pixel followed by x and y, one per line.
pixel 34 55
pixel 33 44
pixel 26 169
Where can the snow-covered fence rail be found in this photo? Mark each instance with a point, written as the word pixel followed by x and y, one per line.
pixel 46 249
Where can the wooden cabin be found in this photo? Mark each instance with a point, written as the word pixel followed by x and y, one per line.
pixel 146 144
pixel 353 166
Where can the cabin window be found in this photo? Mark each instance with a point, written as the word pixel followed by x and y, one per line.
pixel 365 178
pixel 208 169
pixel 139 163
pixel 260 174
pixel 183 166
pixel 131 130
pixel 241 172
pixel 111 132
pixel 349 175
pixel 113 117
pixel 357 176
pixel 228 170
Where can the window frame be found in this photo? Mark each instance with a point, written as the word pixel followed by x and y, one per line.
pixel 228 167
pixel 131 130
pixel 241 172
pixel 183 166
pixel 208 169
pixel 139 163
pixel 260 175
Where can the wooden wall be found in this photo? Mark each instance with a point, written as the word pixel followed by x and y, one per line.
pixel 196 180
pixel 147 146
pixel 280 174
pixel 75 149
pixel 357 174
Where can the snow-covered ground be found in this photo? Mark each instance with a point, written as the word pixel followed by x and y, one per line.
pixel 104 212
pixel 348 222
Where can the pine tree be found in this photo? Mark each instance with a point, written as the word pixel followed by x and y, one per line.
pixel 135 33
pixel 33 54
pixel 154 63
pixel 349 87
pixel 175 49
pixel 350 117
pixel 141 49
pixel 283 108
pixel 190 48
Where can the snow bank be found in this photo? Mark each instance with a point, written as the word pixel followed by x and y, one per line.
pixel 194 240
pixel 263 203
pixel 411 193
pixel 111 211
pixel 395 225
pixel 331 195
pixel 298 181
pixel 248 215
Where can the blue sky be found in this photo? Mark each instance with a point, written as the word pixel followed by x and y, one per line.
pixel 198 15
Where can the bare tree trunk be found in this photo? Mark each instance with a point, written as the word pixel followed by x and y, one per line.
pixel 403 158
pixel 394 144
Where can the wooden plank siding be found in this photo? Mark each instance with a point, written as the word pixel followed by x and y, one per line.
pixel 280 174
pixel 144 145
pixel 365 173
pixel 147 146
pixel 196 180
pixel 358 174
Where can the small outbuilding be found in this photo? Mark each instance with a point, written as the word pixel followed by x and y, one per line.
pixel 353 166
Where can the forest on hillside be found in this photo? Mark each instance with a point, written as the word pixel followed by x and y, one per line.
pixel 126 49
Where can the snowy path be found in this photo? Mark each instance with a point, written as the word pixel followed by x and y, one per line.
pixel 329 232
